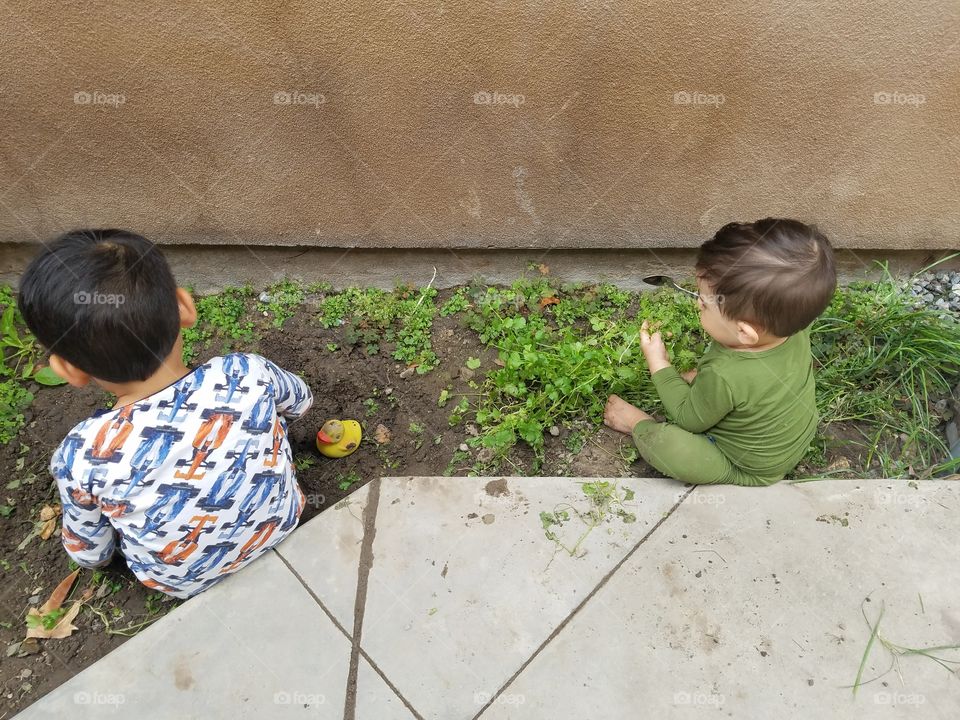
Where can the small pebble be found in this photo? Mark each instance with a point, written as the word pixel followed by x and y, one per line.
pixel 407 373
pixel 938 291
pixel 33 599
pixel 554 430
pixel 464 447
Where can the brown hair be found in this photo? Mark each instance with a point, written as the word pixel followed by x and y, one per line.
pixel 775 273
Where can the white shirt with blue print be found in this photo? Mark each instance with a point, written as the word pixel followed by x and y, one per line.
pixel 195 481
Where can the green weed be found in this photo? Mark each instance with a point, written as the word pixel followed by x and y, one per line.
pixel 562 354
pixel 19 358
pixel 459 412
pixel 898 652
pixel 285 297
pixel 606 500
pixel 883 362
pixel 458 302
pixel 417 430
pixel 304 462
pixel 457 462
pixel 225 315
pixel 347 481
pixel 48 621
pixel 403 318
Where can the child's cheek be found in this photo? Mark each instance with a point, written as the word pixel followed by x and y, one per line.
pixel 708 324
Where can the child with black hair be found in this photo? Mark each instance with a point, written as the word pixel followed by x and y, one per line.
pixel 747 414
pixel 191 469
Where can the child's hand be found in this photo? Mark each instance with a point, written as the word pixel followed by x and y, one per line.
pixel 689 375
pixel 653 348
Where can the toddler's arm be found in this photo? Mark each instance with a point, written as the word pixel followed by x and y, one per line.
pixel 694 407
pixel 697 407
pixel 87 535
pixel 291 394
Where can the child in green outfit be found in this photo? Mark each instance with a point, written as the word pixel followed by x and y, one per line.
pixel 747 414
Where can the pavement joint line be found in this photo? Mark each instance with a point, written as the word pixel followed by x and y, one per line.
pixel 396 690
pixel 599 586
pixel 389 683
pixel 363 653
pixel 360 602
pixel 315 597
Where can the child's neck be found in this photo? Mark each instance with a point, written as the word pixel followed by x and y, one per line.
pixel 764 344
pixel 172 369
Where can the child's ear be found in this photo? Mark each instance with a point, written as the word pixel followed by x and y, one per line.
pixel 188 311
pixel 68 371
pixel 747 335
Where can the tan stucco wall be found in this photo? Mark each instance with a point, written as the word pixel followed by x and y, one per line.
pixel 399 154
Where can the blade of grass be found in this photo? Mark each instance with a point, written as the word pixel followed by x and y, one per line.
pixel 866 652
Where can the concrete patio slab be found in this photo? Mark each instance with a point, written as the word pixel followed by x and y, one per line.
pixel 451 598
pixel 326 554
pixel 748 603
pixel 255 646
pixel 463 584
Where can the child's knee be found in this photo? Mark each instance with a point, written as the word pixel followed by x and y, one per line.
pixel 680 454
pixel 656 445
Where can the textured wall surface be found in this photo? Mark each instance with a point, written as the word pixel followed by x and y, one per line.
pixel 478 124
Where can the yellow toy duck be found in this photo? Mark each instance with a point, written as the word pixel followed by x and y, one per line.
pixel 339 438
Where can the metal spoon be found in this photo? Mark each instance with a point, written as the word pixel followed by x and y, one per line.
pixel 663 281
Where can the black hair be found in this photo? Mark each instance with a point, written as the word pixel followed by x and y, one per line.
pixel 105 301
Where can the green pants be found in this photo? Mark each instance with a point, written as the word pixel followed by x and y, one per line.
pixel 689 457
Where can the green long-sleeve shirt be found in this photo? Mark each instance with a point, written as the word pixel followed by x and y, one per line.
pixel 760 407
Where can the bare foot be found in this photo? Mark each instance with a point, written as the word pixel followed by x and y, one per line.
pixel 621 416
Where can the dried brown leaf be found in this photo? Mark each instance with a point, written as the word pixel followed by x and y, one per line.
pixel 382 435
pixel 59 594
pixel 48 518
